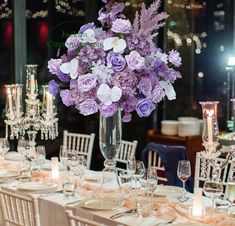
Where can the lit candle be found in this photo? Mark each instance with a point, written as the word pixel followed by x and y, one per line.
pixel 54 168
pixel 210 114
pixel 10 103
pixel 49 105
pixel 18 96
pixel 197 209
pixel 32 84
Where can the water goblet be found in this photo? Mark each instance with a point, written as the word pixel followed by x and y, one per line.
pixel 4 147
pixel 40 156
pixel 64 157
pixel 213 189
pixel 152 181
pixel 183 173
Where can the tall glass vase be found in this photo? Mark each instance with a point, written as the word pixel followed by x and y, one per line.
pixel 110 135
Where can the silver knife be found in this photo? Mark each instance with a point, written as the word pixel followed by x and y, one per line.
pixel 121 214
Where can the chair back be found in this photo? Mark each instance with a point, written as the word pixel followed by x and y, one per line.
pixel 128 148
pixel 19 210
pixel 154 161
pixel 78 221
pixel 81 144
pixel 204 169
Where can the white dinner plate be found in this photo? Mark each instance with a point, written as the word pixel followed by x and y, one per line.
pixel 7 174
pixel 36 186
pixel 101 204
pixel 165 190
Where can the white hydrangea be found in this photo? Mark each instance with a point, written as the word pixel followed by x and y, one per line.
pixel 103 73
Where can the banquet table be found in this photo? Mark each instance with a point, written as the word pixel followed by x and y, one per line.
pixel 51 208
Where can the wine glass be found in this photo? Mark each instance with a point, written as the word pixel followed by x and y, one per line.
pixel 131 164
pixel 64 156
pixel 82 165
pixel 183 172
pixel 40 155
pixel 4 147
pixel 152 181
pixel 230 188
pixel 213 189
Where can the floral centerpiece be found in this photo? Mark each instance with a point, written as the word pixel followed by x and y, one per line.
pixel 116 66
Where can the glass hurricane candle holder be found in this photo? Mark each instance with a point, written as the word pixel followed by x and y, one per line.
pixel 18 99
pixel 31 81
pixel 10 102
pixel 210 128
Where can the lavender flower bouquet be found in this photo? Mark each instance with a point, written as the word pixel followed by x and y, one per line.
pixel 116 66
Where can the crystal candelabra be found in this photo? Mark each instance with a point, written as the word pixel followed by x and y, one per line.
pixel 37 117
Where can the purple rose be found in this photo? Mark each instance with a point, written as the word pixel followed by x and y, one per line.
pixel 53 87
pixel 86 27
pixel 86 82
pixel 72 42
pixel 157 94
pixel 174 58
pixel 107 111
pixel 66 97
pixel 145 86
pixel 116 61
pixel 135 61
pixel 54 66
pixel 88 107
pixel 121 26
pixel 127 117
pixel 144 107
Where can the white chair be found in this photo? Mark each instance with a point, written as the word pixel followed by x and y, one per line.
pixel 78 221
pixel 81 144
pixel 128 148
pixel 155 162
pixel 204 168
pixel 19 210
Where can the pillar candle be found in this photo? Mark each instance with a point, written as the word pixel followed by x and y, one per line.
pixel 49 105
pixel 54 168
pixel 10 104
pixel 210 126
pixel 197 209
pixel 32 84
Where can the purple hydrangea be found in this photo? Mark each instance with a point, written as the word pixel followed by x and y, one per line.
pixel 88 107
pixel 139 43
pixel 157 94
pixel 116 61
pixel 117 8
pixel 107 111
pixel 66 97
pixel 53 87
pixel 86 27
pixel 127 117
pixel 174 58
pixel 130 104
pixel 144 107
pixel 121 26
pixel 145 86
pixel 89 55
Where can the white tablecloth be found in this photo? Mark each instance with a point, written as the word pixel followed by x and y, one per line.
pixel 52 213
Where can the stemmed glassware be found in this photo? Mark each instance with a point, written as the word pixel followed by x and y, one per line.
pixel 230 188
pixel 213 189
pixel 183 172
pixel 40 156
pixel 152 181
pixel 64 157
pixel 4 147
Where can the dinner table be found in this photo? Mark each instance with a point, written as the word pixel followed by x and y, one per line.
pixel 52 201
